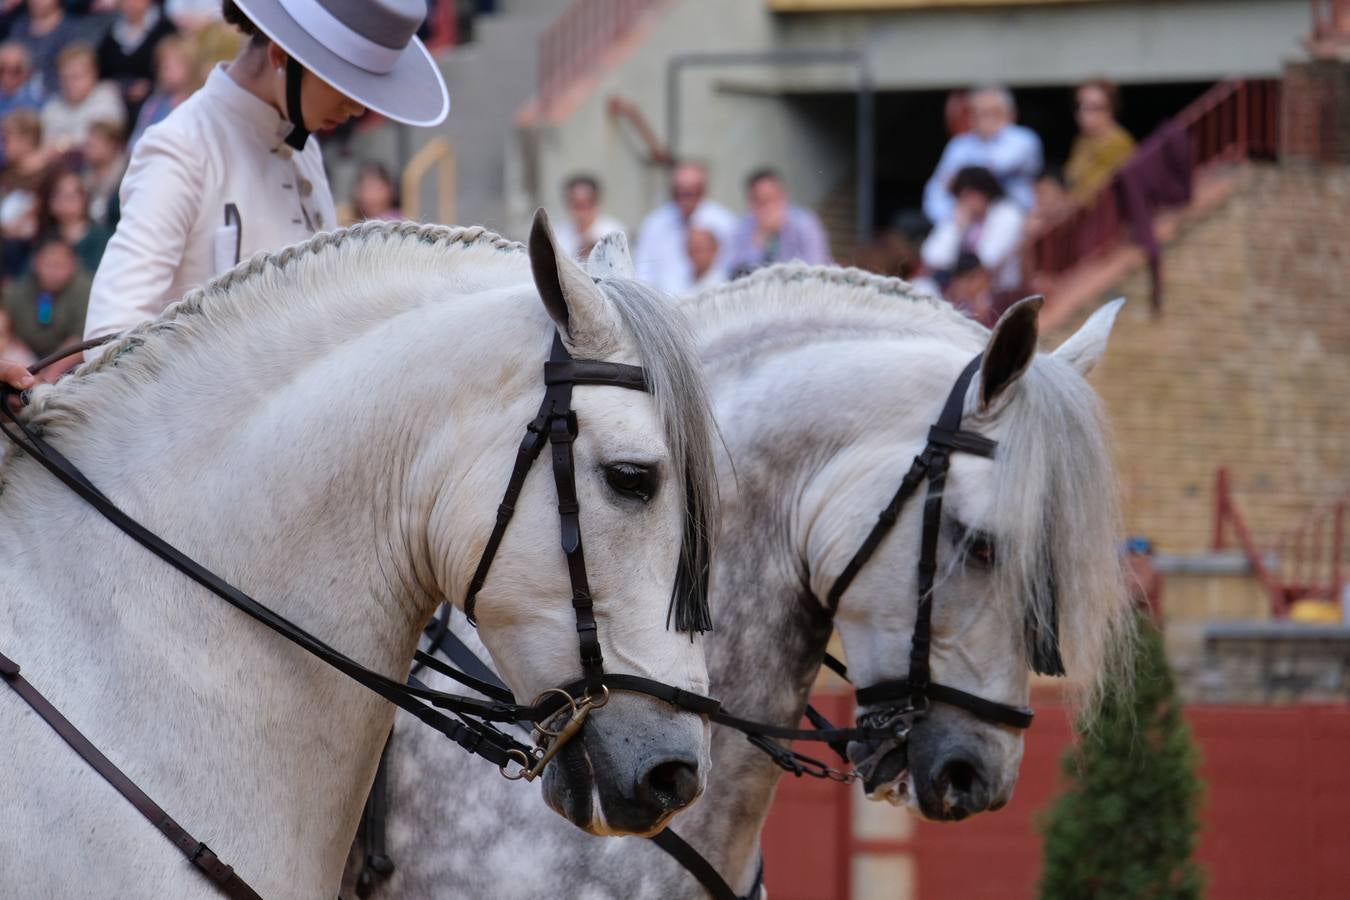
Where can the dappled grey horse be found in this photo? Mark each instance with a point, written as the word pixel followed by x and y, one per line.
pixel 825 383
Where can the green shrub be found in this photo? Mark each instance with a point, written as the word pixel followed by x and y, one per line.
pixel 1126 827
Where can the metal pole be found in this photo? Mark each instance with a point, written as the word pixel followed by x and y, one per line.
pixel 867 151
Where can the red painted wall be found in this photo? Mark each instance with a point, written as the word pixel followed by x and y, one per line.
pixel 1276 820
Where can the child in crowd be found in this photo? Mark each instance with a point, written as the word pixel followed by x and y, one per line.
pixel 83 100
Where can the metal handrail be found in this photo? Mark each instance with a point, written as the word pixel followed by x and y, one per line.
pixel 573 45
pixel 1231 121
pixel 437 153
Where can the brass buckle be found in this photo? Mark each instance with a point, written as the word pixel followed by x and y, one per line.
pixel 518 756
pixel 558 739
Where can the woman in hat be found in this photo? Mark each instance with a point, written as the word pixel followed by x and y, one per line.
pixel 232 171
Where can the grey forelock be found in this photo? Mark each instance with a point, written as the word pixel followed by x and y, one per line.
pixel 391 23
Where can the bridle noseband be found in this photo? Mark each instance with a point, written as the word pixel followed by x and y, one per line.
pixel 910 697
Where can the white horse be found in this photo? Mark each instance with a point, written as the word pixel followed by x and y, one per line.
pixel 824 384
pixel 330 428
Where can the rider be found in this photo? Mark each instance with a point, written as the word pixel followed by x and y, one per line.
pixel 232 171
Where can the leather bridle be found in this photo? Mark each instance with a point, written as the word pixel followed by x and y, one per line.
pixel 472 724
pixel 906 700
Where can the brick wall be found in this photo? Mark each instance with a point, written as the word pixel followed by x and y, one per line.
pixel 1248 365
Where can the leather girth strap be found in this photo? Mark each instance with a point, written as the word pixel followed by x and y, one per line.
pixel 201 856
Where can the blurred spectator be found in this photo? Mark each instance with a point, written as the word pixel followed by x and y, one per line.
pixel 1102 146
pixel 21 182
pixel 176 77
pixel 374 195
pixel 83 101
pixel 985 222
pixel 46 308
pixel 105 162
pixel 46 30
pixel 64 213
pixel 18 89
pixel 890 253
pixel 662 255
pixel 1052 199
pixel 1013 153
pixel 192 16
pixel 703 249
pixel 971 289
pixel 127 53
pixel 586 223
pixel 774 230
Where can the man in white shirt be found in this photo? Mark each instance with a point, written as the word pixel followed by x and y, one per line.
pixel 662 254
pixel 1013 153
pixel 585 223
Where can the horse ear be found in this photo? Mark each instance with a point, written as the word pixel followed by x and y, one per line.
pixel 1085 347
pixel 1011 350
pixel 579 308
pixel 610 257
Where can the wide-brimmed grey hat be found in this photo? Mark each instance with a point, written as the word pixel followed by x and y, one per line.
pixel 367 49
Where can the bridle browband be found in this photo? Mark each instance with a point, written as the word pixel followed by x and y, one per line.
pixel 913 694
pixel 472 726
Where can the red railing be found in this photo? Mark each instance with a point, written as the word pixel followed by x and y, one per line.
pixel 1306 562
pixel 1232 121
pixel 572 46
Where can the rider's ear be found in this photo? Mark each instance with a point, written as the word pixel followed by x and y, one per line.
pixel 584 317
pixel 1011 349
pixel 1085 348
pixel 610 257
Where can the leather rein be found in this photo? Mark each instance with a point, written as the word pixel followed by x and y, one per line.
pixel 472 726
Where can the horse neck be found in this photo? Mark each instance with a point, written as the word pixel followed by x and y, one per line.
pixel 315 501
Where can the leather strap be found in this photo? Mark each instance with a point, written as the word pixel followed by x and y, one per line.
pixel 295 77
pixel 700 868
pixel 226 880
pixel 900 689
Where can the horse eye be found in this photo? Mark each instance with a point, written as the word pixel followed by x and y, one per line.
pixel 632 480
pixel 980 551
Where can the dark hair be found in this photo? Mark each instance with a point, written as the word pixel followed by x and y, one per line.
pixel 1054 172
pixel 976 178
pixel 588 181
pixel 232 14
pixel 1108 89
pixel 764 173
pixel 966 263
pixel 377 169
pixel 46 221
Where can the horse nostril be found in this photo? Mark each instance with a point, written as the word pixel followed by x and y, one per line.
pixel 672 784
pixel 963 790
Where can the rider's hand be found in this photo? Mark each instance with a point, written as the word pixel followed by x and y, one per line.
pixel 15 374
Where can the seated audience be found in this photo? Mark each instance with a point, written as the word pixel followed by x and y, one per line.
pixel 126 54
pixel 83 100
pixel 1013 153
pixel 46 30
pixel 105 162
pixel 374 195
pixel 18 88
pixel 703 248
pixel 176 77
pixel 984 222
pixel 774 230
pixel 46 308
pixel 1102 145
pixel 586 223
pixel 21 181
pixel 1052 200
pixel 662 253
pixel 64 213
pixel 971 289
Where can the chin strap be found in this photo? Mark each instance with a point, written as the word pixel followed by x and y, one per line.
pixel 295 74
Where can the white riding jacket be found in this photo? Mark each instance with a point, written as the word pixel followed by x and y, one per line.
pixel 222 146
